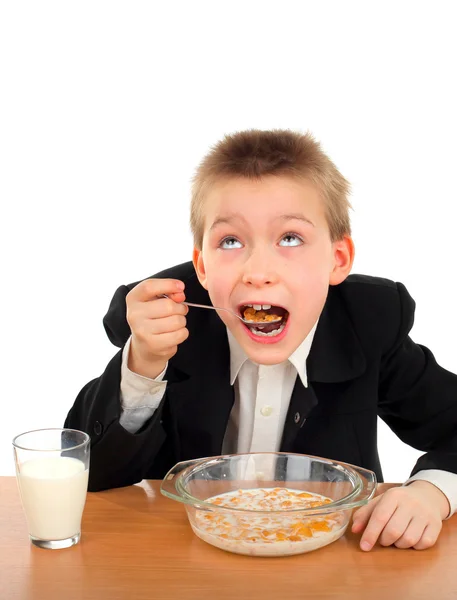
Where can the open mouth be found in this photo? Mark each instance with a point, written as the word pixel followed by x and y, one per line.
pixel 267 320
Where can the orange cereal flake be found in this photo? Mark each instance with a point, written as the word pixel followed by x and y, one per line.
pixel 319 526
pixel 283 525
pixel 304 531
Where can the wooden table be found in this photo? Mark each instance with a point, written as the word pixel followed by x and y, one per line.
pixel 138 545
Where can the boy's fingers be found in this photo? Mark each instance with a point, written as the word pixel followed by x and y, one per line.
pixel 165 325
pixel 397 526
pixel 141 314
pixel 150 289
pixel 362 516
pixel 178 297
pixel 412 533
pixel 166 342
pixel 380 516
pixel 162 308
pixel 429 536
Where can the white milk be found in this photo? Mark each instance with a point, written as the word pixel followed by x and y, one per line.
pixel 53 492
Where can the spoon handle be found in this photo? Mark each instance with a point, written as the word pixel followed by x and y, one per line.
pixel 211 307
pixel 202 306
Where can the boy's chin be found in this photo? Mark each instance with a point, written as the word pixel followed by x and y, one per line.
pixel 269 360
pixel 267 354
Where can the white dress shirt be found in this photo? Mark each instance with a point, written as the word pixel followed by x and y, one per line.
pixel 262 397
pixel 258 426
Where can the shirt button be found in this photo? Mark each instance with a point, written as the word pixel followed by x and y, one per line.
pixel 297 417
pixel 266 411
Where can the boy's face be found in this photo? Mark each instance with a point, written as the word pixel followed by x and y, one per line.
pixel 267 243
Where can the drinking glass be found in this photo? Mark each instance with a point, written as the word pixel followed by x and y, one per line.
pixel 52 469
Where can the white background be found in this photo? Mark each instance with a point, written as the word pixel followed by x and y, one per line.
pixel 106 109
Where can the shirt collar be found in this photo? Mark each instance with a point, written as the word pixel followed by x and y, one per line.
pixel 298 358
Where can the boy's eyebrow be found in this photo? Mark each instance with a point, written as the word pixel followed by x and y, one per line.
pixel 288 217
pixel 296 216
pixel 228 219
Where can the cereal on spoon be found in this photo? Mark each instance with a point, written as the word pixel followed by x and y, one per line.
pixel 259 316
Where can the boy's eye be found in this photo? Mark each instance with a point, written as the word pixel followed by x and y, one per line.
pixel 291 239
pixel 230 242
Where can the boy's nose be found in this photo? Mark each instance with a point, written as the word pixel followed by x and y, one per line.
pixel 259 277
pixel 259 268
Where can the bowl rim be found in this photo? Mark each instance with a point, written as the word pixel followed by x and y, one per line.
pixel 340 504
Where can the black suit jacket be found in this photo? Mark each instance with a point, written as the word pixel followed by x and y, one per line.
pixel 362 364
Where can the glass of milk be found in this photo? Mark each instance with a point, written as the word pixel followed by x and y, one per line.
pixel 52 468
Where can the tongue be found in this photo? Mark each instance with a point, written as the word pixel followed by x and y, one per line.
pixel 269 328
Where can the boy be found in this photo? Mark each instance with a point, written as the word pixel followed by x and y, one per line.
pixel 271 228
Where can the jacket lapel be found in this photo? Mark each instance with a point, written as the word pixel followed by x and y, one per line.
pixel 335 356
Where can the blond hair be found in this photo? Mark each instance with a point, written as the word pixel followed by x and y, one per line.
pixel 254 154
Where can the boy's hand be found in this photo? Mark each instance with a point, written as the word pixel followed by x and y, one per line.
pixel 409 517
pixel 158 324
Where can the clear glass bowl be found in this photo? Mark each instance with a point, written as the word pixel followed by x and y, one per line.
pixel 270 503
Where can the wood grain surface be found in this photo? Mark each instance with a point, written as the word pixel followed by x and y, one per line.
pixel 137 544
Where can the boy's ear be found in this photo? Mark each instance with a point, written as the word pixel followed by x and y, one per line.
pixel 199 265
pixel 343 258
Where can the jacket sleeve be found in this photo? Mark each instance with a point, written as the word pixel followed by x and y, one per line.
pixel 417 397
pixel 118 458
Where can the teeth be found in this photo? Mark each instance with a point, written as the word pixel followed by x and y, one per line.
pixel 271 334
pixel 259 306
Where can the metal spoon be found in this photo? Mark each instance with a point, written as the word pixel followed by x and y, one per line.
pixel 245 321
